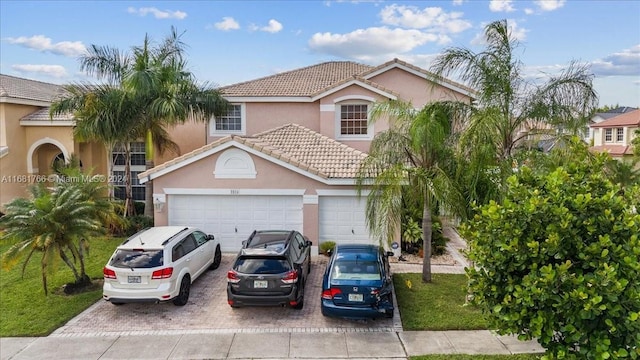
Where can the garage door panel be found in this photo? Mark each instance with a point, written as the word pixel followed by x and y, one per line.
pixel 343 220
pixel 233 218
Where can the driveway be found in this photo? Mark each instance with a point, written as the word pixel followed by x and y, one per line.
pixel 208 311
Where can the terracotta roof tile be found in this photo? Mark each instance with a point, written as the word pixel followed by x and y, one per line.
pixel 19 88
pixel 43 115
pixel 631 118
pixel 614 150
pixel 295 145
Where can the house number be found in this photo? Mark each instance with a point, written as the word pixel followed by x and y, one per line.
pixel 235 192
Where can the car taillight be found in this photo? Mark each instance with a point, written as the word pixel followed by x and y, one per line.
pixel 233 277
pixel 291 277
pixel 162 273
pixel 108 273
pixel 330 293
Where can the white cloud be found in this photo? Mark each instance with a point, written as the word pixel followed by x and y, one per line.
pixel 227 23
pixel 626 62
pixel 501 6
pixel 56 71
pixel 273 27
pixel 549 5
pixel 429 18
pixel 529 11
pixel 43 43
pixel 365 43
pixel 158 14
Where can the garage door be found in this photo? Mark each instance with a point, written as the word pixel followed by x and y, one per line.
pixel 342 219
pixel 233 218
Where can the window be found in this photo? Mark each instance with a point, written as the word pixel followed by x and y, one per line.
pixel 608 135
pixel 619 134
pixel 138 165
pixel 354 119
pixel 233 122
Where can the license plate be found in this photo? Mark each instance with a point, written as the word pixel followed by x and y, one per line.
pixel 133 279
pixel 356 297
pixel 260 284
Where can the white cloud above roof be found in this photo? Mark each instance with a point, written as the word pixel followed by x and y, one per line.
pixel 372 41
pixel 501 6
pixel 44 44
pixel 157 13
pixel 626 62
pixel 429 18
pixel 228 23
pixel 273 27
pixel 56 71
pixel 549 5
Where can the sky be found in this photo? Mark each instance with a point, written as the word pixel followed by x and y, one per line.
pixel 234 41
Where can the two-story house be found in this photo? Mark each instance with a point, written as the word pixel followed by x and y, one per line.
pixel 287 155
pixel 614 135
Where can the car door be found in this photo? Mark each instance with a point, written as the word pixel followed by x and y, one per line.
pixel 305 252
pixel 205 250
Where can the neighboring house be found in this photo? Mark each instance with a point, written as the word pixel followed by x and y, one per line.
pixel 614 135
pixel 602 116
pixel 31 142
pixel 287 155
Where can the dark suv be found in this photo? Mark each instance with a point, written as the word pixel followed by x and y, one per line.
pixel 271 269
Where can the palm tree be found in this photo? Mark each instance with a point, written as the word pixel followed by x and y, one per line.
pixel 156 77
pixel 415 157
pixel 106 114
pixel 507 103
pixel 53 223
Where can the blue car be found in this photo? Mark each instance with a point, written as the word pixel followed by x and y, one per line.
pixel 357 283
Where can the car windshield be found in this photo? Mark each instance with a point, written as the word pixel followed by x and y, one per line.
pixel 261 265
pixel 355 270
pixel 126 258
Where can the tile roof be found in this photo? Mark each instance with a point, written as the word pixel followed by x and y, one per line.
pixel 614 150
pixel 43 115
pixel 631 118
pixel 295 145
pixel 19 88
pixel 315 79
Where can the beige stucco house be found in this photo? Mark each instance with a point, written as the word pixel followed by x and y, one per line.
pixel 614 135
pixel 286 155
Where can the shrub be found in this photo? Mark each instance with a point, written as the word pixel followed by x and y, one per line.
pixel 558 260
pixel 137 223
pixel 326 246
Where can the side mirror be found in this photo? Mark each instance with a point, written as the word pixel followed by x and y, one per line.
pixel 389 253
pixel 210 237
pixel 308 243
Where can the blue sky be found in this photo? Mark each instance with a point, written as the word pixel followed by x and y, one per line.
pixel 234 41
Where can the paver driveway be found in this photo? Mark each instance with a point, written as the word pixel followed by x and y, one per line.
pixel 208 311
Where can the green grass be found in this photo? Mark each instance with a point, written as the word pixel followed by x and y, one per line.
pixel 476 357
pixel 439 305
pixel 26 311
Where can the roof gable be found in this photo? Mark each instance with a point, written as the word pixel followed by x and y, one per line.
pixel 291 145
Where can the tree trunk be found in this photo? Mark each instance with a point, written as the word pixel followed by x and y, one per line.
pixel 426 241
pixel 148 193
pixel 66 260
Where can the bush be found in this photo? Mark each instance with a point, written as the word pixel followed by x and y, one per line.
pixel 137 223
pixel 326 246
pixel 559 260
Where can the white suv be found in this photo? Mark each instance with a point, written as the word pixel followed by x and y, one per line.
pixel 159 264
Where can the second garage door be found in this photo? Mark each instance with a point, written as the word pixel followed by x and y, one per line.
pixel 232 218
pixel 343 219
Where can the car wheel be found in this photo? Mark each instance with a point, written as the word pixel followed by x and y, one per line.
pixel 300 303
pixel 389 313
pixel 183 295
pixel 217 259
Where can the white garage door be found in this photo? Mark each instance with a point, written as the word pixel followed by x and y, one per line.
pixel 343 219
pixel 233 218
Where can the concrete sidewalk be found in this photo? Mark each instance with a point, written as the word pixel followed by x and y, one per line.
pixel 297 345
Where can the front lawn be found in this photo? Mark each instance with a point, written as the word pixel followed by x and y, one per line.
pixel 439 305
pixel 26 311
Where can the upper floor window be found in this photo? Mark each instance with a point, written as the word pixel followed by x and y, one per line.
pixel 354 119
pixel 619 134
pixel 232 122
pixel 608 134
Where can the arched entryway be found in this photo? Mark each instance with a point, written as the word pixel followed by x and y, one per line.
pixel 42 155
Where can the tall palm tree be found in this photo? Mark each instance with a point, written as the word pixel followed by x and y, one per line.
pixel 156 77
pixel 415 157
pixel 52 223
pixel 507 103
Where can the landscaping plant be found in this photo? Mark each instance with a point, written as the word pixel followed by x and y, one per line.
pixel 559 260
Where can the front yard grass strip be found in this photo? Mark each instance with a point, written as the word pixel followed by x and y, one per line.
pixel 439 305
pixel 477 357
pixel 26 311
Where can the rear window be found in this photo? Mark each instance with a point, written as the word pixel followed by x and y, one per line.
pixel 355 270
pixel 261 265
pixel 137 258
